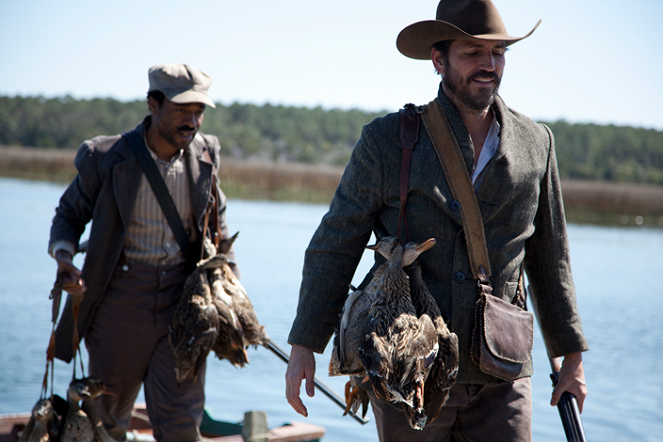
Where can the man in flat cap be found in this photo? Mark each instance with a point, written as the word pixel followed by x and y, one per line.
pixel 511 168
pixel 136 263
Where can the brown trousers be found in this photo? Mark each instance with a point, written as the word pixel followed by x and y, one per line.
pixel 127 342
pixel 473 413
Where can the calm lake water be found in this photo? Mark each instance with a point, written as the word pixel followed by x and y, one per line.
pixel 616 273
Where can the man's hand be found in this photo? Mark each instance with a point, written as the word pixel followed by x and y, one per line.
pixel 69 274
pixel 301 366
pixel 571 379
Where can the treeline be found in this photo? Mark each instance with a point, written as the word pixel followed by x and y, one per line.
pixel 609 153
pixel 246 131
pixel 281 133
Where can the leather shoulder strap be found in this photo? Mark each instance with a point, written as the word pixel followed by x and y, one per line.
pixel 460 184
pixel 410 122
pixel 159 188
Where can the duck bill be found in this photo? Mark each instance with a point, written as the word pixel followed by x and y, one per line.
pixel 373 247
pixel 426 245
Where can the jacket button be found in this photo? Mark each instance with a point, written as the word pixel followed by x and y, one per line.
pixel 125 268
pixel 455 205
pixel 459 277
pixel 447 318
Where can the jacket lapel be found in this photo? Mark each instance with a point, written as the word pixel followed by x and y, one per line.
pixel 126 178
pixel 506 130
pixel 200 176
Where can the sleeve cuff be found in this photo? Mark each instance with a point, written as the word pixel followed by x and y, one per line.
pixel 61 244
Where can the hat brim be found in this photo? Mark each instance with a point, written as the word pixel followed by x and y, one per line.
pixel 190 96
pixel 417 40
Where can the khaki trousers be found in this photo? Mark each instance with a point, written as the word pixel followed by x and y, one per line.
pixel 127 342
pixel 473 413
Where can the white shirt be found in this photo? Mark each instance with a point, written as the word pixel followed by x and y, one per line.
pixel 487 152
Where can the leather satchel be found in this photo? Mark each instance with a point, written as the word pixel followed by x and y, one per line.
pixel 503 333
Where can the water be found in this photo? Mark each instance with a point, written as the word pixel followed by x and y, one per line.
pixel 616 273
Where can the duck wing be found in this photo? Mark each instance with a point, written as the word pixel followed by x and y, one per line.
pixel 350 333
pixel 443 373
pixel 194 326
pixel 254 333
pixel 229 343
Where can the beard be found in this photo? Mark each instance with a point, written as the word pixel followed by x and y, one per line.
pixel 460 89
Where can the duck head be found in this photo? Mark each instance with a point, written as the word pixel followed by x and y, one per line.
pixel 386 246
pixel 412 250
pixel 43 410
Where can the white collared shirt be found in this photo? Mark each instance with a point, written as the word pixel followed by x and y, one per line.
pixel 488 150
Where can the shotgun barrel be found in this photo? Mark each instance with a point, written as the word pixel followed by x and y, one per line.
pixel 568 405
pixel 568 412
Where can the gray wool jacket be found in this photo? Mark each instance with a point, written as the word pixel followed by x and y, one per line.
pixel 104 192
pixel 523 215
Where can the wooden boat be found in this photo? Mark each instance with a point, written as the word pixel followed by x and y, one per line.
pixel 211 429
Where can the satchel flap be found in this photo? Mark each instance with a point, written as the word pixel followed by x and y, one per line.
pixel 509 330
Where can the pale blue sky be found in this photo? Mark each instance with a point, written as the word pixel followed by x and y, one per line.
pixel 589 61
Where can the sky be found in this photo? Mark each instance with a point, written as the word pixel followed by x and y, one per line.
pixel 590 61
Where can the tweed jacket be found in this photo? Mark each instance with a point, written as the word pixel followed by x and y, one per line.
pixel 104 192
pixel 521 207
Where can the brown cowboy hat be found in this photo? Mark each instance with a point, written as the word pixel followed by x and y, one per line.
pixel 455 19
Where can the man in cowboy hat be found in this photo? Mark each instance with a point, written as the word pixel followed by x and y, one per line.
pixel 135 269
pixel 511 161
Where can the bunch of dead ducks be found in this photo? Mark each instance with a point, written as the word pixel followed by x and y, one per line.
pixel 75 420
pixel 213 314
pixel 392 339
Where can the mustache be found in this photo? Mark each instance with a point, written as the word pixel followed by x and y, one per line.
pixel 484 74
pixel 186 128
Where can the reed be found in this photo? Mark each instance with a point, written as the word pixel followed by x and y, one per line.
pixel 585 201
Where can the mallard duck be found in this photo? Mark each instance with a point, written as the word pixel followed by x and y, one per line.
pixel 195 323
pixel 229 343
pixel 41 421
pixel 399 348
pixel 350 330
pixel 351 326
pixel 227 288
pixel 76 426
pixel 90 389
pixel 442 375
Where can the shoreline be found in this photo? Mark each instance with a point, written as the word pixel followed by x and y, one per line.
pixel 586 202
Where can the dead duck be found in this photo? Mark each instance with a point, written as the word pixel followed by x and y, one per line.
pixel 229 343
pixel 41 422
pixel 76 426
pixel 91 388
pixel 349 333
pixel 351 326
pixel 195 324
pixel 227 287
pixel 399 348
pixel 443 373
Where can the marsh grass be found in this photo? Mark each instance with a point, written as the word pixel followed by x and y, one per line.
pixel 585 201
